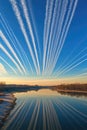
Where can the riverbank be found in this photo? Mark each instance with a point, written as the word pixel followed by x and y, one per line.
pixel 76 88
pixel 7 102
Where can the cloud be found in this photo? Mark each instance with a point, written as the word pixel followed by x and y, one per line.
pixel 2 70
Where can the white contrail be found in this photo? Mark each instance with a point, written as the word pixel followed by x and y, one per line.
pixel 73 59
pixel 76 65
pixel 64 29
pixel 24 54
pixel 11 49
pixel 55 16
pixel 6 52
pixel 60 26
pixel 80 75
pixel 63 40
pixel 73 64
pixel 35 29
pixel 66 61
pixel 59 22
pixel 9 33
pixel 17 42
pixel 30 29
pixel 8 65
pixel 58 35
pixel 47 22
pixel 20 21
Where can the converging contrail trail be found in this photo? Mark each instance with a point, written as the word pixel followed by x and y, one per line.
pixel 9 34
pixel 56 40
pixel 8 65
pixel 6 52
pixel 63 40
pixel 30 29
pixel 68 60
pixel 35 30
pixel 14 40
pixel 47 22
pixel 11 49
pixel 52 32
pixel 73 59
pixel 75 63
pixel 20 21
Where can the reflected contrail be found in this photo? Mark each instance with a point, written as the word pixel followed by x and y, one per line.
pixel 15 113
pixel 19 124
pixel 20 21
pixel 33 116
pixel 66 110
pixel 30 30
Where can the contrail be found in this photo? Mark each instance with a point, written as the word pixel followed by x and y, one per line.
pixel 59 31
pixel 11 49
pixel 35 29
pixel 22 50
pixel 76 65
pixel 55 13
pixel 20 21
pixel 30 29
pixel 63 31
pixel 9 33
pixel 60 25
pixel 8 65
pixel 73 59
pixel 66 60
pixel 63 40
pixel 72 65
pixel 47 22
pixel 23 54
pixel 80 75
pixel 59 22
pixel 5 51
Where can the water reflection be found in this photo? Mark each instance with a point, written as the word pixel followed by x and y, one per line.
pixel 47 110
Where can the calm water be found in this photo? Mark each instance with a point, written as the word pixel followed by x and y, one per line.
pixel 47 110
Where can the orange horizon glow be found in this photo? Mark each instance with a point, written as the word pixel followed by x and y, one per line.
pixel 42 82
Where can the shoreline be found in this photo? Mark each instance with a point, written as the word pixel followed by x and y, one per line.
pixel 80 88
pixel 7 103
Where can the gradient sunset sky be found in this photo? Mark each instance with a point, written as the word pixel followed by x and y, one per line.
pixel 43 41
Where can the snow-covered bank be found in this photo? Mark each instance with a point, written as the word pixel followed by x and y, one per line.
pixel 7 102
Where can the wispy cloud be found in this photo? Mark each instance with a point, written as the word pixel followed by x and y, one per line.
pixel 8 65
pixel 2 70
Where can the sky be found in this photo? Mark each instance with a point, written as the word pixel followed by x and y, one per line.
pixel 43 42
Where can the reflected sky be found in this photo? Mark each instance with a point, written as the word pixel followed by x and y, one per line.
pixel 47 110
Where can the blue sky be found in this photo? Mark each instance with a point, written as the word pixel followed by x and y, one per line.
pixel 44 38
